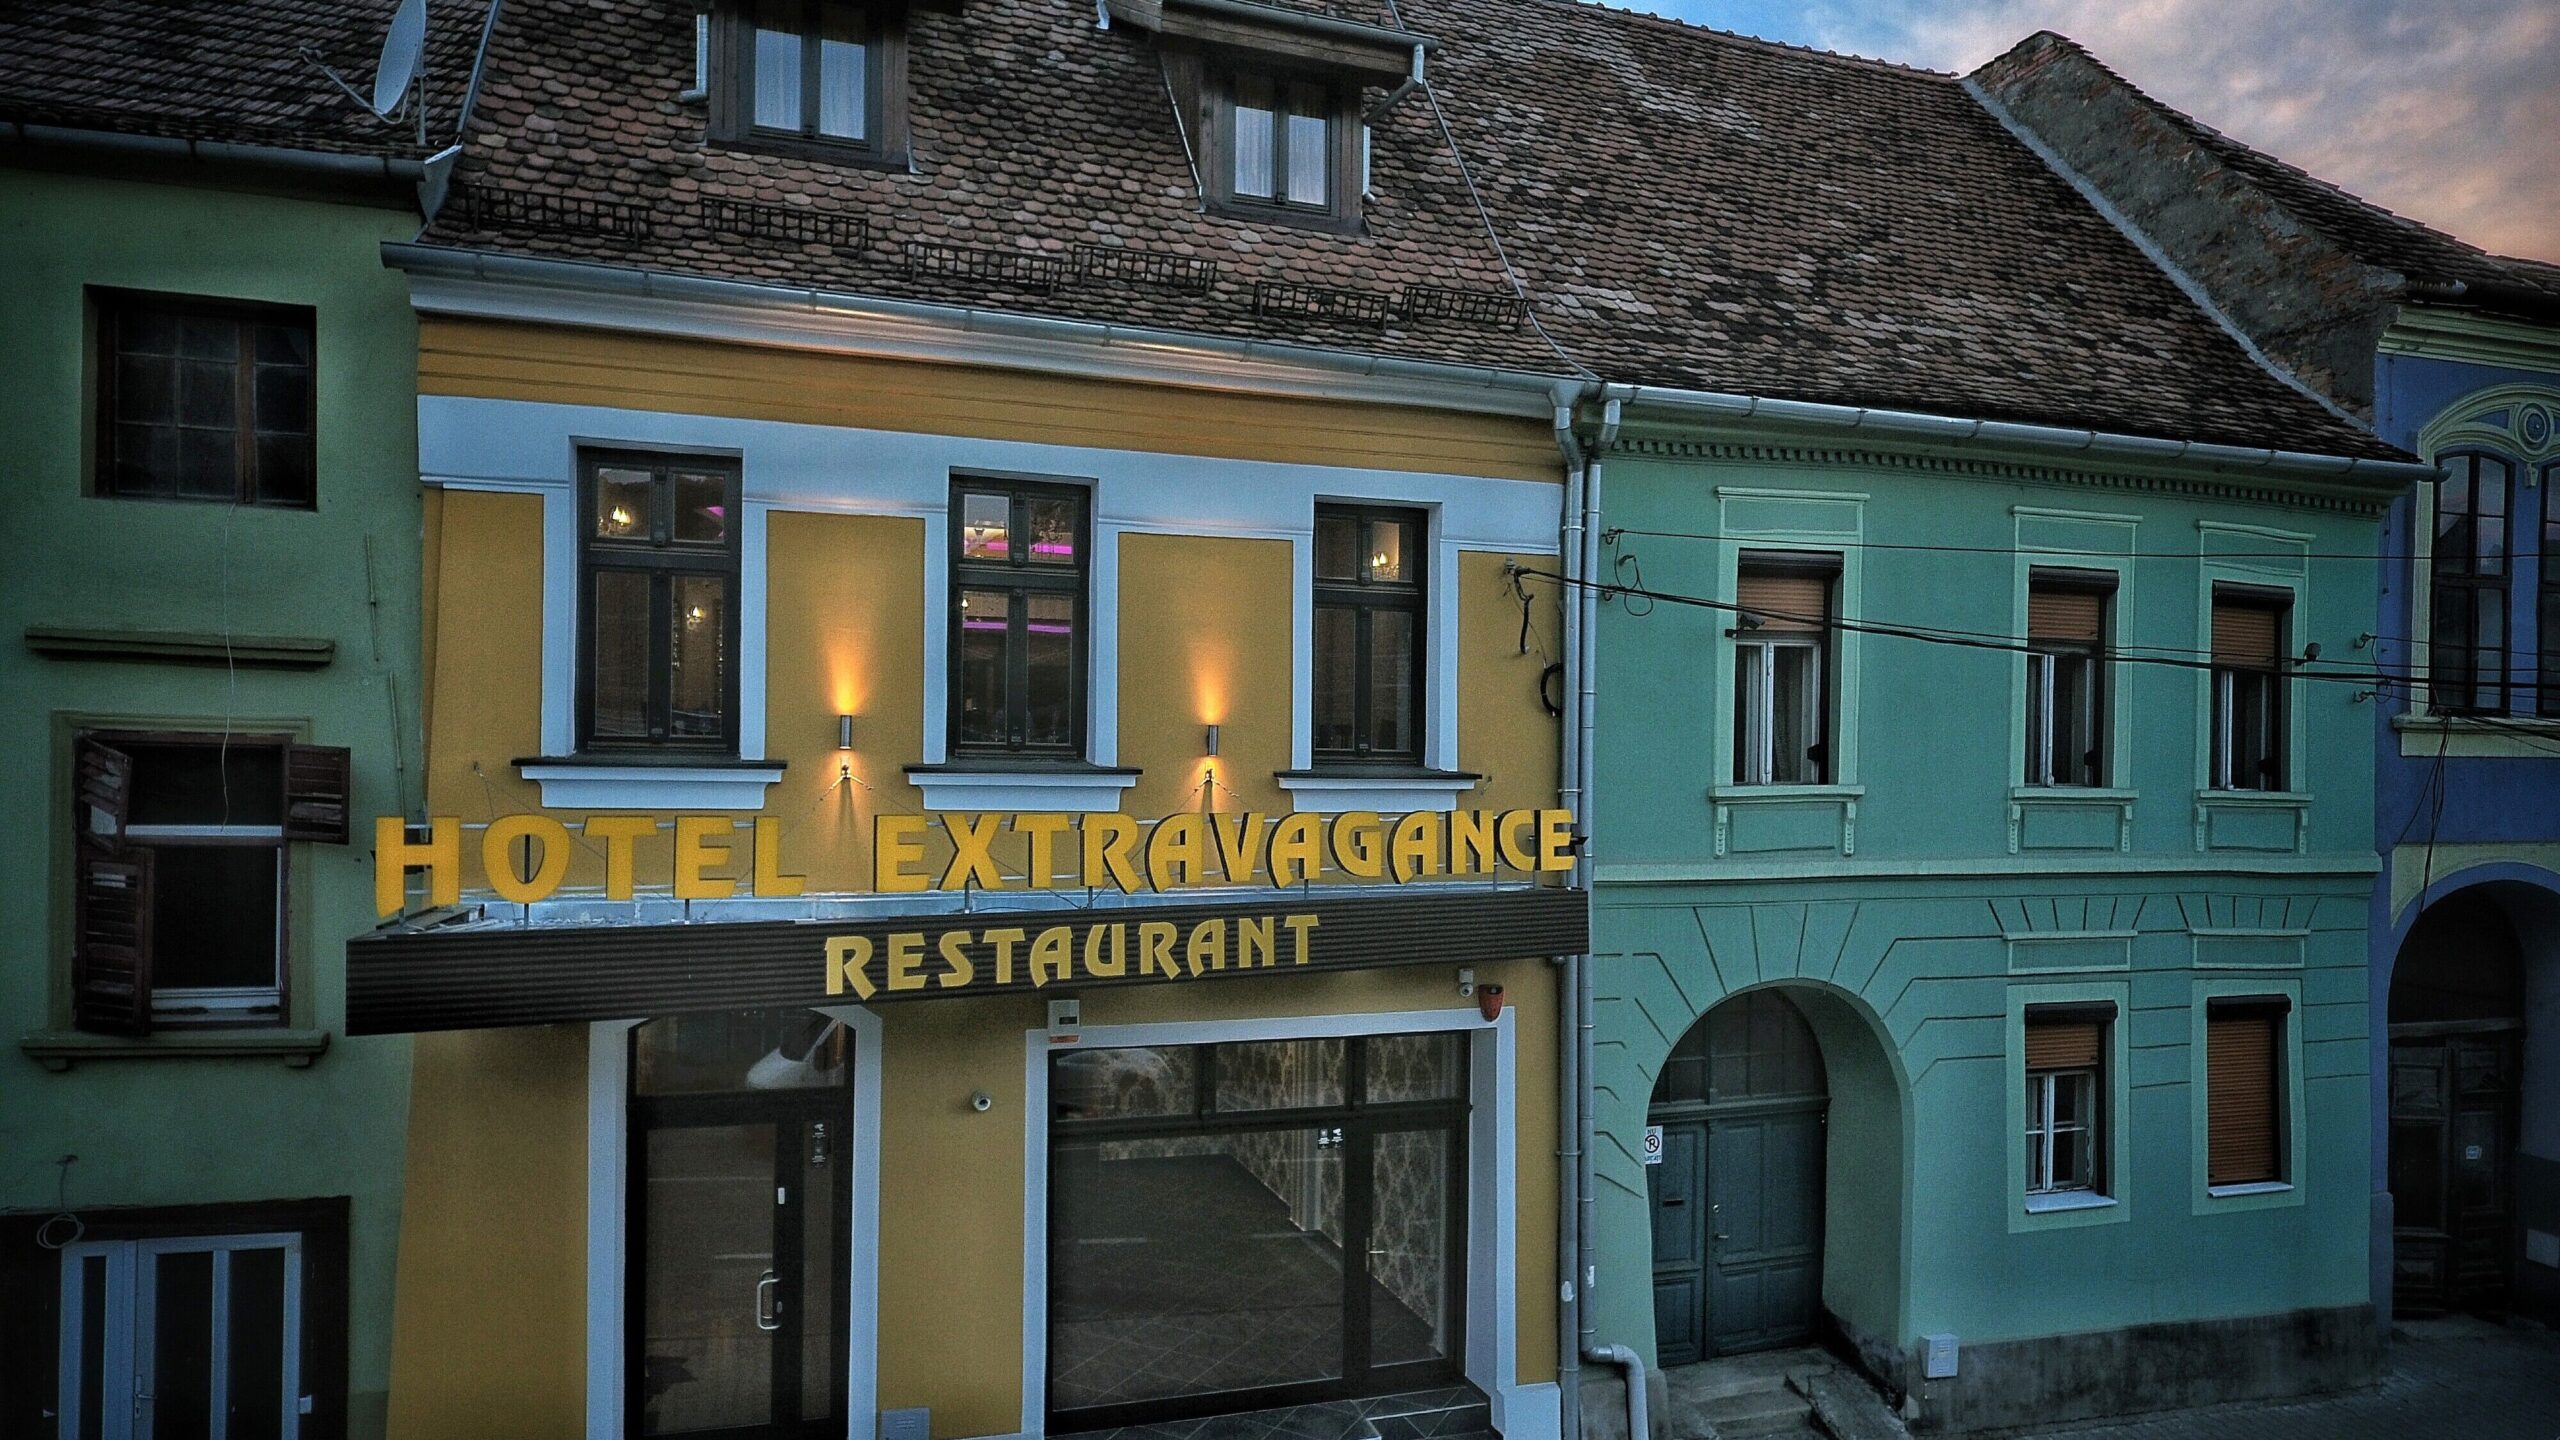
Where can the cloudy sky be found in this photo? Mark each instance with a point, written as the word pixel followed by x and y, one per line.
pixel 2447 111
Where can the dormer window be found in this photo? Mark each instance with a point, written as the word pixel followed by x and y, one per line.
pixel 1285 147
pixel 819 75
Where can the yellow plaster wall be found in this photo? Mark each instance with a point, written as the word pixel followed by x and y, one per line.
pixel 504 361
pixel 489 1320
pixel 487 649
pixel 1204 637
pixel 1504 730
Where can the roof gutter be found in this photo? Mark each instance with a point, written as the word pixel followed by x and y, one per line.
pixel 303 166
pixel 1305 23
pixel 2097 445
pixel 2521 301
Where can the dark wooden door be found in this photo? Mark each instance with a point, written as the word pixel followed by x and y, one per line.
pixel 1679 1191
pixel 2453 1134
pixel 1764 1242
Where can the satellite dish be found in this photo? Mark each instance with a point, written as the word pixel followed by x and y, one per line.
pixel 400 50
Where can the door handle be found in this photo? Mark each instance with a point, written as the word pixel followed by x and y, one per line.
pixel 1670 1201
pixel 768 1303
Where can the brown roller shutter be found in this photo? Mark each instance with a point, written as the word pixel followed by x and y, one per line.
pixel 2063 1044
pixel 2240 1098
pixel 1785 600
pixel 103 776
pixel 111 951
pixel 2056 613
pixel 2244 634
pixel 316 779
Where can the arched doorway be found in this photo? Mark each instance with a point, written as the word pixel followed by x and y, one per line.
pixel 2457 1010
pixel 1737 1195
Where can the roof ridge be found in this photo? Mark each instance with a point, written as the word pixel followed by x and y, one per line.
pixel 1690 27
pixel 2217 137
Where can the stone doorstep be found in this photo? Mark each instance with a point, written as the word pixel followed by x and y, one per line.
pixel 1451 1413
pixel 1846 1407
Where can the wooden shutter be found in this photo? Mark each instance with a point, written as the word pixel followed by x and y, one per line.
pixel 2064 1044
pixel 2240 1097
pixel 2058 613
pixel 2244 633
pixel 102 802
pixel 111 953
pixel 316 783
pixel 1791 601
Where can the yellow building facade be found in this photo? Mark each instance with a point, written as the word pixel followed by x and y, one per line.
pixel 967 900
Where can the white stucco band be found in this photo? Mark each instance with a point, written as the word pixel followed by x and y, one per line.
pixel 528 447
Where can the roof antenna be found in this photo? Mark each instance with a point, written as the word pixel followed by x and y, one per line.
pixel 397 68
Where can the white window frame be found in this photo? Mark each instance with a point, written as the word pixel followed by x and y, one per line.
pixel 2042 672
pixel 2272 717
pixel 131 1297
pixel 175 1005
pixel 2042 1131
pixel 1755 667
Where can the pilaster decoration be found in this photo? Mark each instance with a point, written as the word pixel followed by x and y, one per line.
pixel 2293 493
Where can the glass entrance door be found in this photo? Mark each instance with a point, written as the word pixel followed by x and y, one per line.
pixel 1254 1224
pixel 737 1229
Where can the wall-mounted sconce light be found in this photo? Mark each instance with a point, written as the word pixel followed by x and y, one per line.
pixel 844 732
pixel 1209 741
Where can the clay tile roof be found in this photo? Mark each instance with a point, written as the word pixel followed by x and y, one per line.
pixel 1034 133
pixel 1708 211
pixel 2372 234
pixel 227 70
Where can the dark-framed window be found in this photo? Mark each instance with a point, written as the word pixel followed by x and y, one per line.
pixel 204 399
pixel 829 75
pixel 2248 688
pixel 2067 676
pixel 1370 608
pixel 2547 662
pixel 1019 562
pixel 182 860
pixel 658 548
pixel 2067 1098
pixel 1284 145
pixel 2245 1090
pixel 2468 579
pixel 1782 668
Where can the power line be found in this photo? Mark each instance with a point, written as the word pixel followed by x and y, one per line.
pixel 2061 558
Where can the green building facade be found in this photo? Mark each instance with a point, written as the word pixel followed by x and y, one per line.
pixel 1975 1140
pixel 210 664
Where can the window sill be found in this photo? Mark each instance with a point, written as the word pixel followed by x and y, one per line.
pixel 1744 794
pixel 59 1050
pixel 649 782
pixel 2255 1187
pixel 1386 789
pixel 2460 737
pixel 2264 799
pixel 2070 795
pixel 1055 786
pixel 2064 1201
pixel 1327 222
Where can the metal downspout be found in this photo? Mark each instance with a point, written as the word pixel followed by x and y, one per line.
pixel 1588 706
pixel 1570 969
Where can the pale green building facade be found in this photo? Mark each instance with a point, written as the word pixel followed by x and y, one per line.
pixel 1970 920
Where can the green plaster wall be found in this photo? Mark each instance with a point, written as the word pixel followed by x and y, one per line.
pixel 1919 904
pixel 164 1130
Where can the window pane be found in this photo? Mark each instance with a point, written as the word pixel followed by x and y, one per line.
pixel 208 463
pixel 283 470
pixel 257 1342
pixel 982 526
pixel 985 616
pixel 843 72
pixel 1253 139
pixel 1749 661
pixel 146 389
pixel 1391 662
pixel 1388 542
pixel 622 503
pixel 1279 1074
pixel 618 637
pixel 737 1050
pixel 93 1346
pixel 213 916
pixel 1116 1084
pixel 2074 720
pixel 1409 1245
pixel 777 67
pixel 1337 547
pixel 182 1344
pixel 1793 724
pixel 146 460
pixel 1415 1067
pixel 284 399
pixel 209 393
pixel 698 658
pixel 1307 160
pixel 2489 667
pixel 216 784
pixel 2039 720
pixel 1337 677
pixel 1050 634
pixel 702 507
pixel 1053 530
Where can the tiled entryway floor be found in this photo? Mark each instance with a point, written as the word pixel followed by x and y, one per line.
pixel 2450 1379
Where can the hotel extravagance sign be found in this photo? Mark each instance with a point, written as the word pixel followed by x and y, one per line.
pixel 488 973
